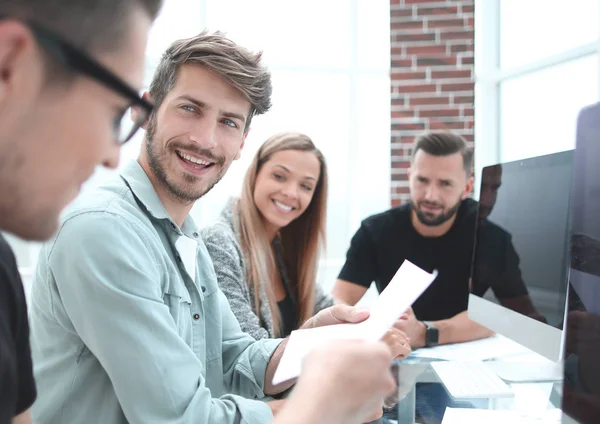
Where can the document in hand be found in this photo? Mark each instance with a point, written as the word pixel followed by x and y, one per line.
pixel 406 286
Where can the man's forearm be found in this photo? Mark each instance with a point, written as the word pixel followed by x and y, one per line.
pixel 459 329
pixel 23 418
pixel 271 389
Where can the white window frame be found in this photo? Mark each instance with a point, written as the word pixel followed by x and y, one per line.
pixel 489 76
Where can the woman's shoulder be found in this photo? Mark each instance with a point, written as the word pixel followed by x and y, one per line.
pixel 222 232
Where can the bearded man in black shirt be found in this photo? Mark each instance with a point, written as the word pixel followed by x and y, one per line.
pixel 435 231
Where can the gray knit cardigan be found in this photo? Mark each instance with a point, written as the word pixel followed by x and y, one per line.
pixel 224 247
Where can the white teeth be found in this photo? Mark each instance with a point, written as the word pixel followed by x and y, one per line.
pixel 193 159
pixel 283 207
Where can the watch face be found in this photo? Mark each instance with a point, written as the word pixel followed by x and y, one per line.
pixel 432 334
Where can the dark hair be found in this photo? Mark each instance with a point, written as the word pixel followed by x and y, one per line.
pixel 444 143
pixel 240 67
pixel 91 25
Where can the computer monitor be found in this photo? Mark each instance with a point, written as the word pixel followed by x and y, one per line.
pixel 521 257
pixel 581 393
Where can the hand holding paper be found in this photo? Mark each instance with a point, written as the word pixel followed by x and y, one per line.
pixel 406 286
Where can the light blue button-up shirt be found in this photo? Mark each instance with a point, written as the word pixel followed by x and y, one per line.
pixel 122 333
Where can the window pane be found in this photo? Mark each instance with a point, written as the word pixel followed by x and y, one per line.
pixel 534 29
pixel 373 35
pixel 177 19
pixel 308 33
pixel 539 110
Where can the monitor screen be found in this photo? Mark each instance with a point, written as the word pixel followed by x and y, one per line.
pixel 521 257
pixel 581 394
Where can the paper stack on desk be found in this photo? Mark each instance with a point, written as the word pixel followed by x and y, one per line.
pixel 490 416
pixel 495 346
pixel 406 286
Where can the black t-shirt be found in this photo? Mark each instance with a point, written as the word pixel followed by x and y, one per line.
pixel 385 240
pixel 496 264
pixel 17 387
pixel 289 319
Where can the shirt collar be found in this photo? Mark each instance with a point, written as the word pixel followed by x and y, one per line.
pixel 142 188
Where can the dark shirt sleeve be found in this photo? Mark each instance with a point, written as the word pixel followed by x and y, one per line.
pixel 511 283
pixel 361 260
pixel 25 384
pixel 27 391
pixel 497 265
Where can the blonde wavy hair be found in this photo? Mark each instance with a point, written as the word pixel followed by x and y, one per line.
pixel 302 240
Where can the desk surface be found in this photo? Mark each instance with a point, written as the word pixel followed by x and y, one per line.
pixel 530 397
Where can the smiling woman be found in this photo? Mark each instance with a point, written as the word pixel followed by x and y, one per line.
pixel 265 246
pixel 284 187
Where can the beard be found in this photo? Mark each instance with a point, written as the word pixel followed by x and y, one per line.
pixel 194 187
pixel 484 212
pixel 432 220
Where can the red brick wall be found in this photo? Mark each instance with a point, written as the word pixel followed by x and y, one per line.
pixel 432 76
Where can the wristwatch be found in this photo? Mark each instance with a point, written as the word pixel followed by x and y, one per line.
pixel 432 334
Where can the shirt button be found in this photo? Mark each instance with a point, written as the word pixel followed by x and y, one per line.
pixel 203 289
pixel 196 317
pixel 196 235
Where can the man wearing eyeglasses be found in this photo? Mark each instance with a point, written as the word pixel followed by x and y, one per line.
pixel 60 110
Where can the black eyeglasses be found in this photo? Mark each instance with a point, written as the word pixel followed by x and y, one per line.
pixel 126 124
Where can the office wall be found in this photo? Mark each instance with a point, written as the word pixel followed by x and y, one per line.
pixel 432 85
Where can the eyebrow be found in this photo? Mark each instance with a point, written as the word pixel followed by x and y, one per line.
pixel 201 105
pixel 308 177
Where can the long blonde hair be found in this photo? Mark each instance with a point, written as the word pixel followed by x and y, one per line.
pixel 301 240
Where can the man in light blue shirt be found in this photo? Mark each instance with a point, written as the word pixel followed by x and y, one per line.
pixel 128 324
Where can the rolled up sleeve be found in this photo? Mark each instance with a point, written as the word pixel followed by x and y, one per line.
pixel 243 364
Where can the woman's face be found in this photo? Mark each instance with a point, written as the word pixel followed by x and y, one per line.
pixel 285 186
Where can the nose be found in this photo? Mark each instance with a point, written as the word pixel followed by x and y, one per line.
pixel 431 193
pixel 204 133
pixel 111 159
pixel 290 190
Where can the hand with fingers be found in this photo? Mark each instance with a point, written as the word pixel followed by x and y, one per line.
pixel 337 314
pixel 413 328
pixel 398 342
pixel 342 382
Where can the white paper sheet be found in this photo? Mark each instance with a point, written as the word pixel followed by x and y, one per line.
pixel 406 286
pixel 478 350
pixel 490 416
